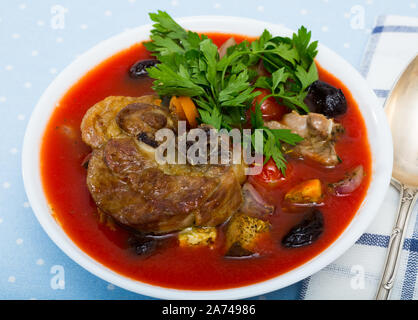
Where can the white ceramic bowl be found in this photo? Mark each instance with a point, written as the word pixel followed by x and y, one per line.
pixel 377 129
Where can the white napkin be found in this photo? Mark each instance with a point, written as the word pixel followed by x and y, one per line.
pixel 356 275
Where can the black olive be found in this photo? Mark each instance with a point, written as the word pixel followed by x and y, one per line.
pixel 139 69
pixel 143 245
pixel 326 99
pixel 305 232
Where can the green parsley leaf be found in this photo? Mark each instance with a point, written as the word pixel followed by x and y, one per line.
pixel 224 89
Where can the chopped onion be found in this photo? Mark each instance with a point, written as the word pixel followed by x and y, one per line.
pixel 254 205
pixel 350 183
pixel 224 47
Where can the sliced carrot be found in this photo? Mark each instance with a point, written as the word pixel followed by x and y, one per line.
pixel 186 109
pixel 190 110
pixel 174 102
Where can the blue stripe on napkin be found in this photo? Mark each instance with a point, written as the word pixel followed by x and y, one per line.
pixel 381 93
pixel 371 48
pixel 403 29
pixel 408 286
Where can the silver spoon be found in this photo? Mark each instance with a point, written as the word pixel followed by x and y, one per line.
pixel 401 108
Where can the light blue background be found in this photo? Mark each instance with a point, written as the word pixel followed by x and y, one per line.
pixel 32 53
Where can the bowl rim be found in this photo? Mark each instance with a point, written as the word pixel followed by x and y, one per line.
pixel 376 124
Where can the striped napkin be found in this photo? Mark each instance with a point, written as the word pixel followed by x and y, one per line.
pixel 356 274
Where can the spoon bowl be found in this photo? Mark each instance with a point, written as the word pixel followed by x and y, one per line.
pixel 402 112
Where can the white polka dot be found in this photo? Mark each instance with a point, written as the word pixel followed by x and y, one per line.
pixel 27 85
pixel 369 1
pixel 324 28
pixel 52 71
pixel 59 40
pixel 303 12
pixel 19 241
pixel 260 8
pixel 20 117
pixel 347 15
pixel 6 185
pixel 9 67
pixel 15 36
pixel 40 262
pixel 40 23
pixel 413 5
pixel 34 53
pixel 108 13
pixel 3 99
pixel 1 220
pixel 84 26
pixel 26 204
pixel 22 6
pixel 174 3
pixel 131 1
pixel 11 279
pixel 217 5
pixel 110 287
pixel 13 150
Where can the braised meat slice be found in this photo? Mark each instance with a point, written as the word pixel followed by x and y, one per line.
pixel 100 121
pixel 128 184
pixel 143 120
pixel 319 136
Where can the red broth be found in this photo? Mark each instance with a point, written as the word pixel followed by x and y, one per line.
pixel 64 183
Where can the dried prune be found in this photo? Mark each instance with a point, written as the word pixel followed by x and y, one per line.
pixel 139 69
pixel 305 232
pixel 326 99
pixel 143 245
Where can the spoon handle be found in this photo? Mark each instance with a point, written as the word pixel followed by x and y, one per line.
pixel 408 197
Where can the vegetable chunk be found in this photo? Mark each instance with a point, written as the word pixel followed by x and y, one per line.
pixel 243 233
pixel 309 191
pixel 197 236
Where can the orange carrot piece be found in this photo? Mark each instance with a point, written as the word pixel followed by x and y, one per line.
pixel 309 191
pixel 189 110
pixel 177 106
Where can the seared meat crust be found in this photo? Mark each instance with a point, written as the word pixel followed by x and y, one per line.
pixel 128 184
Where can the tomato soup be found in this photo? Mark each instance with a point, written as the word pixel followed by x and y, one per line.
pixel 64 183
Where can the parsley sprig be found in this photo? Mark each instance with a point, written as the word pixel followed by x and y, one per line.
pixel 190 67
pixel 224 89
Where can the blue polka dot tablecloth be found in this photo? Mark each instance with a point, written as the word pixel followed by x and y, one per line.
pixel 33 52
